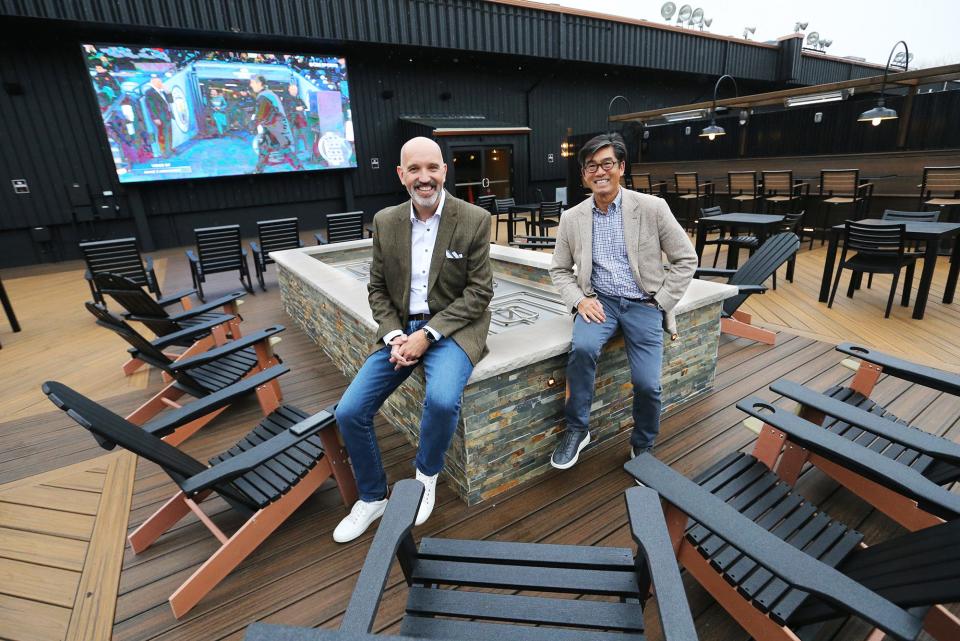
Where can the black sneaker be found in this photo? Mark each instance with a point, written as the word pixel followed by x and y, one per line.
pixel 568 451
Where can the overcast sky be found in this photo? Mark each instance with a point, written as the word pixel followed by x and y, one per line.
pixel 868 30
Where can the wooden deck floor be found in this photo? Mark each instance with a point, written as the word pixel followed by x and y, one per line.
pixel 300 576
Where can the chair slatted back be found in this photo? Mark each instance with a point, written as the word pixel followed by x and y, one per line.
pixel 773 253
pixel 911 216
pixel 839 182
pixel 147 352
pixel 874 240
pixel 503 205
pixel 791 221
pixel 550 210
pixel 277 235
pixel 778 182
pixel 742 182
pixel 137 302
pixel 344 226
pixel 643 183
pixel 488 202
pixel 941 181
pixel 119 256
pixel 219 248
pixel 111 430
pixel 916 569
pixel 686 181
pixel 706 212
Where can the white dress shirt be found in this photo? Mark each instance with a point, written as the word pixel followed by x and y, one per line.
pixel 423 237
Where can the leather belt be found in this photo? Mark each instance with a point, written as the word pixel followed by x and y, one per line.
pixel 419 317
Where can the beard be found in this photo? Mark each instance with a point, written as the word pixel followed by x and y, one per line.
pixel 420 200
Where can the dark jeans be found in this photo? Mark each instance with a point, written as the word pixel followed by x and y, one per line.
pixel 447 369
pixel 641 325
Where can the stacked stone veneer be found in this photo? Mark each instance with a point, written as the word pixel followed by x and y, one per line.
pixel 509 421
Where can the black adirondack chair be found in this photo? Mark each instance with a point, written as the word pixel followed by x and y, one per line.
pixel 218 250
pixel 274 235
pixel 782 567
pixel 198 375
pixel 749 278
pixel 848 412
pixel 265 477
pixel 119 256
pixel 143 308
pixel 339 228
pixel 498 566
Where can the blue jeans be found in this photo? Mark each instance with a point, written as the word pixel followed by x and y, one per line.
pixel 641 325
pixel 447 369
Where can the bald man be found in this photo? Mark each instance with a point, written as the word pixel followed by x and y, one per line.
pixel 430 285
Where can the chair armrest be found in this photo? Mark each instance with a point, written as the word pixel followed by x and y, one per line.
pixel 864 186
pixel 649 529
pixel 208 306
pixel 751 289
pixel 776 555
pixel 395 526
pixel 246 461
pixel 255 248
pixel 320 237
pixel 192 257
pixel 937 379
pixel 190 332
pixel 850 455
pixel 924 442
pixel 171 299
pixel 713 271
pixel 223 350
pixel 168 421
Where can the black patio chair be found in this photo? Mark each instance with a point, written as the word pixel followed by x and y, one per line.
pixel 198 375
pixel 339 228
pixel 848 412
pixel 781 566
pixel 879 249
pixel 793 223
pixel 908 216
pixel 153 313
pixel 550 212
pixel 274 235
pixel 218 250
pixel 119 256
pixel 504 568
pixel 747 241
pixel 264 478
pixel 750 278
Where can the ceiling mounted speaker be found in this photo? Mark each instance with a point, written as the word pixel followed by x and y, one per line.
pixel 667 10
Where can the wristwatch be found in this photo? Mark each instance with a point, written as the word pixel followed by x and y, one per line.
pixel 430 337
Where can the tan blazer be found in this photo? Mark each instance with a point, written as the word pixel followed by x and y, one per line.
pixel 459 289
pixel 649 229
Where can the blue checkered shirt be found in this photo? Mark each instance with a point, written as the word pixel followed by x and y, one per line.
pixel 611 268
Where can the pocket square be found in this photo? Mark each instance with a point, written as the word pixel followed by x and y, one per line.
pixel 452 255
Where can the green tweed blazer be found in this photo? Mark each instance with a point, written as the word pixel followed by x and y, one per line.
pixel 460 284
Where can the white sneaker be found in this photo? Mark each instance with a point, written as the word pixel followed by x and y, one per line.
pixel 429 496
pixel 356 523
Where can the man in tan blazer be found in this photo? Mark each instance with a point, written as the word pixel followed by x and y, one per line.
pixel 616 240
pixel 430 285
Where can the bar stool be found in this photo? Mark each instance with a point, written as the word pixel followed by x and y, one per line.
pixel 841 187
pixel 645 185
pixel 742 188
pixel 690 190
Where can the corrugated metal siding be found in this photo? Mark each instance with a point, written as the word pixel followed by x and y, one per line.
pixel 470 25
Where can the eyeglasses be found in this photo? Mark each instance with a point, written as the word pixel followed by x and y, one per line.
pixel 592 167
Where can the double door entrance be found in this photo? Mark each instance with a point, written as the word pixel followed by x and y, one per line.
pixel 480 171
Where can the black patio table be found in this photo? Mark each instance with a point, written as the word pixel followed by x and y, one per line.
pixel 931 233
pixel 761 224
pixel 534 209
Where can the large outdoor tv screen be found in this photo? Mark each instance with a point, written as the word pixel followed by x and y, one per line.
pixel 196 113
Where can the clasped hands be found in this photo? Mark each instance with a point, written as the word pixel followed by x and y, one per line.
pixel 406 350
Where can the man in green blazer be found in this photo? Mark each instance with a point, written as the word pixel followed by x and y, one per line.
pixel 430 285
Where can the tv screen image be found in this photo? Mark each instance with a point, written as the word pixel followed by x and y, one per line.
pixel 196 113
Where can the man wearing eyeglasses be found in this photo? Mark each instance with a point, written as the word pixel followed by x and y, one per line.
pixel 616 240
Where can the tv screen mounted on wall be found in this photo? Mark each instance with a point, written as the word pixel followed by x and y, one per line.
pixel 196 113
